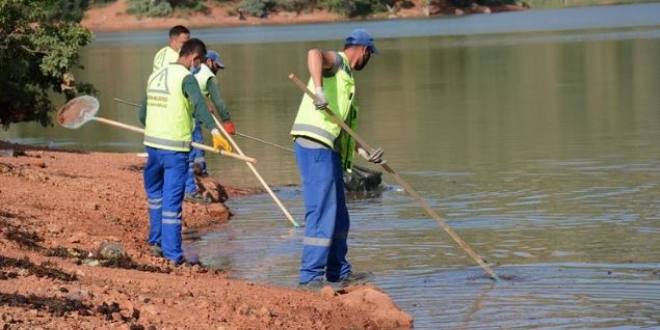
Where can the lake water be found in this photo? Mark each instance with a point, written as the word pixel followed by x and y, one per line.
pixel 535 134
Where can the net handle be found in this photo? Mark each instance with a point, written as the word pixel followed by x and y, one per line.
pixel 194 144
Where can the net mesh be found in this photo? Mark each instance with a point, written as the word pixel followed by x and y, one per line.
pixel 78 111
pixel 362 179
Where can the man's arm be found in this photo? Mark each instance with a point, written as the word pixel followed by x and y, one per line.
pixel 142 115
pixel 200 112
pixel 320 62
pixel 216 97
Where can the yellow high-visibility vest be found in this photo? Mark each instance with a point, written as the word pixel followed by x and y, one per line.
pixel 164 57
pixel 203 77
pixel 339 91
pixel 169 120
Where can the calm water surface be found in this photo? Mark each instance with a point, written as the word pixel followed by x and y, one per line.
pixel 537 136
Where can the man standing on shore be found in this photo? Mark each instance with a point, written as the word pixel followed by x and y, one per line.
pixel 173 100
pixel 323 152
pixel 170 53
pixel 210 88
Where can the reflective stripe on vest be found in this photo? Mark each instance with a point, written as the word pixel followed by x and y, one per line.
pixel 313 129
pixel 168 143
pixel 203 77
pixel 339 90
pixel 169 120
pixel 164 57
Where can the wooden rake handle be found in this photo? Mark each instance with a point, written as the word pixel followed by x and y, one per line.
pixel 402 182
pixel 256 173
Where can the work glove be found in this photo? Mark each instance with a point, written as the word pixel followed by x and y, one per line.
pixel 375 157
pixel 219 142
pixel 229 127
pixel 319 101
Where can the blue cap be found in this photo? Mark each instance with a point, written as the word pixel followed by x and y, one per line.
pixel 360 37
pixel 215 57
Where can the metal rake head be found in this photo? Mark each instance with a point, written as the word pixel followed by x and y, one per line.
pixel 78 111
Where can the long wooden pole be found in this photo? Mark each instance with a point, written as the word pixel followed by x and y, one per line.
pixel 194 144
pixel 240 152
pixel 402 182
pixel 237 133
pixel 256 173
pixel 264 141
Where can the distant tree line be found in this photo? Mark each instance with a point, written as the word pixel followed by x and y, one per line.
pixel 163 8
pixel 261 8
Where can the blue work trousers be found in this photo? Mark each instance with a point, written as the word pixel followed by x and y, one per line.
pixel 326 215
pixel 164 182
pixel 196 156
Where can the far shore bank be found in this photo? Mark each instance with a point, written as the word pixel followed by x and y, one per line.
pixel 113 17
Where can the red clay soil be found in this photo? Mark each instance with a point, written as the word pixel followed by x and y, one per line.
pixel 59 208
pixel 113 17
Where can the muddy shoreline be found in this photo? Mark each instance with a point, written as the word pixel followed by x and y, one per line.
pixel 61 208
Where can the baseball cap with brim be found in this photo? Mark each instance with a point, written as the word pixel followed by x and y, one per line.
pixel 215 57
pixel 360 37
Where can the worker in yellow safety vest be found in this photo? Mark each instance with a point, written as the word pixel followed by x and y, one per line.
pixel 170 53
pixel 323 153
pixel 173 101
pixel 208 84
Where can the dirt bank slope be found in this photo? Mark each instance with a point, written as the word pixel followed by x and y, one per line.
pixel 56 207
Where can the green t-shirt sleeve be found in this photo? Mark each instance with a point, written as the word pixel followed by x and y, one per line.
pixel 200 112
pixel 216 97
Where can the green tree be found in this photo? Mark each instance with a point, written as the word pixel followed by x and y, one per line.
pixel 257 8
pixel 151 8
pixel 163 8
pixel 354 8
pixel 39 44
pixel 468 3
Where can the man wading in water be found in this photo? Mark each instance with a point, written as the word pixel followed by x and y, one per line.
pixel 323 152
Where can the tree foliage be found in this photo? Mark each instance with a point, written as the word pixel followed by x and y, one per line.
pixel 261 8
pixel 151 8
pixel 163 8
pixel 257 8
pixel 350 8
pixel 468 3
pixel 354 8
pixel 39 44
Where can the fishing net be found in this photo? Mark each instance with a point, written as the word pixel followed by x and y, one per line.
pixel 362 179
pixel 78 111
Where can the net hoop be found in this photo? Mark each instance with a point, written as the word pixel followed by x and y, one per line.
pixel 77 111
